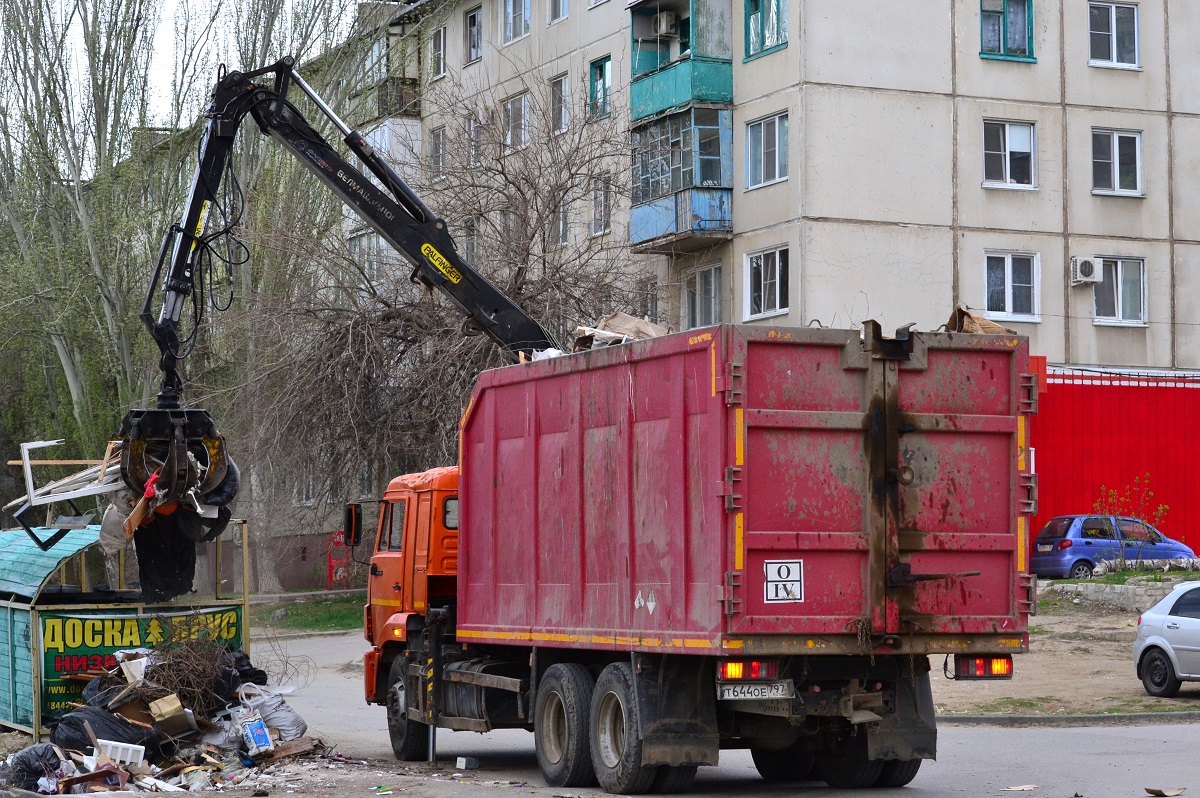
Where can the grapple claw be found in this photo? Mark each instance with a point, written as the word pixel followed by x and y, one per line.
pixel 183 446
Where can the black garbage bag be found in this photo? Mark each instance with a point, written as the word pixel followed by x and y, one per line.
pixel 94 695
pixel 31 764
pixel 166 555
pixel 70 731
pixel 246 671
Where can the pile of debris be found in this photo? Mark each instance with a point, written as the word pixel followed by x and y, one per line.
pixel 188 715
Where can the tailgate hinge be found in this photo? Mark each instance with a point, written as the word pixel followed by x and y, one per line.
pixel 732 605
pixel 1029 483
pixel 1028 403
pixel 733 474
pixel 731 381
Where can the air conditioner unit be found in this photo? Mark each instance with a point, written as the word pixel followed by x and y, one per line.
pixel 665 23
pixel 1086 270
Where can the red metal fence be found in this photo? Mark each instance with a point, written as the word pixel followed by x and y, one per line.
pixel 1098 432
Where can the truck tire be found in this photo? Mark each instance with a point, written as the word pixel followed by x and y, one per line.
pixel 673 778
pixel 846 764
pixel 787 764
pixel 560 729
pixel 615 742
pixel 897 772
pixel 410 739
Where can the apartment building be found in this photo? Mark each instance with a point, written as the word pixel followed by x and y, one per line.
pixel 812 161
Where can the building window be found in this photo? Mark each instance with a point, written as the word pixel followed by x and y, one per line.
pixel 767 283
pixel 558 10
pixel 560 115
pixel 600 87
pixel 370 254
pixel 601 206
pixel 437 152
pixel 473 28
pixel 1012 285
pixel 376 66
pixel 1007 28
pixel 470 239
pixel 437 51
pixel 1121 296
pixel 1117 162
pixel 516 19
pixel 516 122
pixel 766 25
pixel 1008 154
pixel 1114 34
pixel 474 141
pixel 702 297
pixel 560 223
pixel 766 151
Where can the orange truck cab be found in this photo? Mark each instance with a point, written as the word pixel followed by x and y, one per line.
pixel 414 566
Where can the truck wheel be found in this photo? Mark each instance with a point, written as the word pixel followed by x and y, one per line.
pixel 787 764
pixel 673 778
pixel 560 729
pixel 615 742
pixel 897 772
pixel 1158 676
pixel 410 739
pixel 846 764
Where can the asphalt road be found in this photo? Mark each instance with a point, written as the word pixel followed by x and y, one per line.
pixel 1062 762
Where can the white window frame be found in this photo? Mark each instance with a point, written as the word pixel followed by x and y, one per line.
pixel 560 223
pixel 600 91
pixel 376 67
pixel 521 102
pixel 781 288
pixel 1111 62
pixel 514 21
pixel 755 132
pixel 558 11
pixel 474 135
pixel 1036 288
pixel 369 252
pixel 1119 263
pixel 1114 136
pixel 690 281
pixel 470 238
pixel 437 52
pixel 560 94
pixel 473 50
pixel 1006 154
pixel 437 152
pixel 602 202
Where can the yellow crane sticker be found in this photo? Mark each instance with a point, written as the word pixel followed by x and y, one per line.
pixel 441 264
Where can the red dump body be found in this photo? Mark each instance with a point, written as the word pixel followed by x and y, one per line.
pixel 750 489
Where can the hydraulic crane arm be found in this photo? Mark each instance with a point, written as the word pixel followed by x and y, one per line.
pixel 395 212
pixel 182 445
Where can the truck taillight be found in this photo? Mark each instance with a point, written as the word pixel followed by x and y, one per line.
pixel 1064 545
pixel 968 667
pixel 752 669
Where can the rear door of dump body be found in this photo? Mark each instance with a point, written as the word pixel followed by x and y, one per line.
pixel 877 487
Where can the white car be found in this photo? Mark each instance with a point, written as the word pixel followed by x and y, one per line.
pixel 1167 649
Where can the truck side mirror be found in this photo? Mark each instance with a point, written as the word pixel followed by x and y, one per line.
pixel 352 525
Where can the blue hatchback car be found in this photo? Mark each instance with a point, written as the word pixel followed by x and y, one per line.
pixel 1071 545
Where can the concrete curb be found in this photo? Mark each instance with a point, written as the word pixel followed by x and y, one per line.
pixel 267 634
pixel 1122 719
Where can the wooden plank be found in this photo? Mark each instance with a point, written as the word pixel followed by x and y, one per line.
pixel 57 462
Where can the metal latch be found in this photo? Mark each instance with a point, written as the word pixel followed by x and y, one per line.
pixel 732 474
pixel 731 605
pixel 1029 482
pixel 901 574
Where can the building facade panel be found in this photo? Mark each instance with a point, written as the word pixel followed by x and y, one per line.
pixel 1185 172
pixel 1138 212
pixel 858 271
pixel 1115 83
pixel 1183 23
pixel 1014 202
pixel 980 75
pixel 1187 306
pixel 872 44
pixel 877 156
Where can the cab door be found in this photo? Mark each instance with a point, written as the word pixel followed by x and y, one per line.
pixel 385 586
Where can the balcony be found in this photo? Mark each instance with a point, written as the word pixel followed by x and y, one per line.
pixel 681 82
pixel 682 222
pixel 398 97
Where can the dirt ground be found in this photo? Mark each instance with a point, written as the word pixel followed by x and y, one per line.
pixel 1080 662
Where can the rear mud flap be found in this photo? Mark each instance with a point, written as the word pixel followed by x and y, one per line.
pixel 677 709
pixel 911 731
